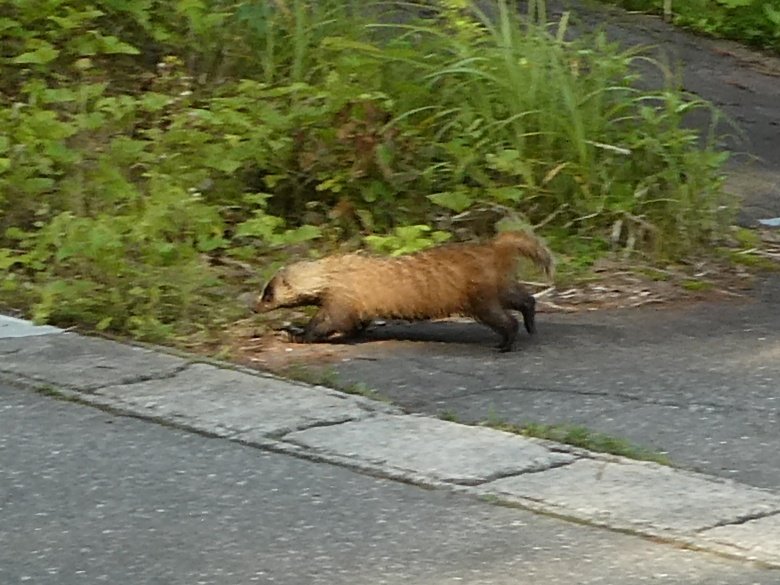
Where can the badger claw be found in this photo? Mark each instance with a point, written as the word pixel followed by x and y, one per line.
pixel 295 333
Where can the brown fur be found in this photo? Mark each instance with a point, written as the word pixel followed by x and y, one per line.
pixel 475 280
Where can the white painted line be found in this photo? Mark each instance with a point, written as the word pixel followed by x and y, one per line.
pixel 13 327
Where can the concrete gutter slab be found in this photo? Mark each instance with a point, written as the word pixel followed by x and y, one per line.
pixel 640 496
pixel 226 402
pixel 759 538
pixel 81 363
pixel 438 449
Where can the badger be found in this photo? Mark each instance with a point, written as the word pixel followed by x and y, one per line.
pixel 476 280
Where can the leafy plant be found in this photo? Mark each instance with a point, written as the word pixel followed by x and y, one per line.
pixel 157 158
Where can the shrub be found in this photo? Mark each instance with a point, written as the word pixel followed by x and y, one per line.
pixel 147 145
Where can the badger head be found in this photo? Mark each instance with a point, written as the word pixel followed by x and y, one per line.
pixel 293 286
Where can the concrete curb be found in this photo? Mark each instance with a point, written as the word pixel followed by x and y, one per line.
pixel 321 424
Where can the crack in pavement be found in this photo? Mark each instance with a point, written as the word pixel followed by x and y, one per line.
pixel 741 520
pixel 140 379
pixel 93 388
pixel 504 474
pixel 281 434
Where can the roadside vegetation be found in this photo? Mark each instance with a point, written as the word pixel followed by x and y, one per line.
pixel 583 437
pixel 754 22
pixel 158 158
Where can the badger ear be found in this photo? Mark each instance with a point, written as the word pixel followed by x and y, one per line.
pixel 268 291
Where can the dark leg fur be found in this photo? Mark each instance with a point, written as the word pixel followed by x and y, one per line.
pixel 361 329
pixel 519 299
pixel 326 322
pixel 500 321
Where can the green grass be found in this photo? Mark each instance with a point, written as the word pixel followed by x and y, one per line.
pixel 696 285
pixel 329 377
pixel 449 416
pixel 52 392
pixel 583 437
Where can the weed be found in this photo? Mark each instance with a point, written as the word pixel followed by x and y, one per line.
pixel 52 392
pixel 583 437
pixel 329 378
pixel 693 284
pixel 754 261
pixel 311 375
pixel 449 415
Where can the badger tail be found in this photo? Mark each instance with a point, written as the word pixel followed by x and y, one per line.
pixel 528 245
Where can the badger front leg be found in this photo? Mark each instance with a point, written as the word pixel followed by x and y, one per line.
pixel 330 319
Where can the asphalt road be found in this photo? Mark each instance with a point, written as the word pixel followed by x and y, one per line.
pixel 88 497
pixel 700 382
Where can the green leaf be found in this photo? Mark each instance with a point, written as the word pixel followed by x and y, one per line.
pixel 225 164
pixel 344 44
pixel 8 24
pixel 456 200
pixel 153 102
pixel 7 259
pixel 262 226
pixel 506 194
pixel 113 46
pixel 75 19
pixel 507 161
pixel 58 95
pixel 211 243
pixel 16 233
pixel 773 14
pixel 302 234
pixel 40 56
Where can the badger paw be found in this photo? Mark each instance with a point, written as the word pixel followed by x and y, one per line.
pixel 295 333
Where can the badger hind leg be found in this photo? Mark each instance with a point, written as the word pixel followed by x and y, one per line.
pixel 500 321
pixel 330 319
pixel 519 299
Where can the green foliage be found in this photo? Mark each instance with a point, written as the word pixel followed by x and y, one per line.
pixel 147 145
pixel 407 239
pixel 755 22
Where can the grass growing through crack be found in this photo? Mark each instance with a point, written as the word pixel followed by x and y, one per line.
pixel 575 435
pixel 449 416
pixel 329 378
pixel 52 392
pixel 584 438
